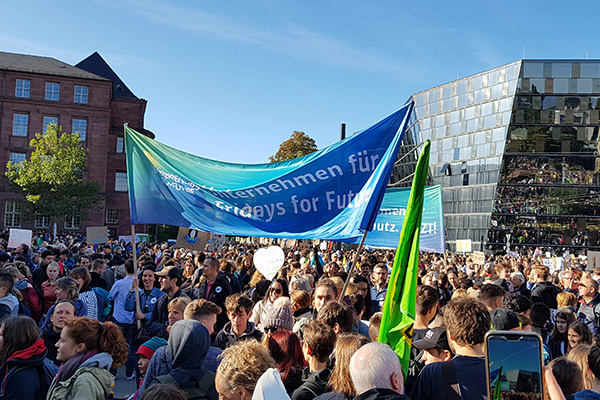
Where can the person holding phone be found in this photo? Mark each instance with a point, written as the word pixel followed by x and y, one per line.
pixel 467 321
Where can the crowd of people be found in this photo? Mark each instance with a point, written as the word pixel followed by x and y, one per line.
pixel 208 325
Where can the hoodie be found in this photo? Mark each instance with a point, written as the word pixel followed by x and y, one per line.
pixel 21 378
pixel 182 358
pixel 269 386
pixel 9 305
pixel 92 380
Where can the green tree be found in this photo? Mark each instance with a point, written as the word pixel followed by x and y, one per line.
pixel 52 179
pixel 298 145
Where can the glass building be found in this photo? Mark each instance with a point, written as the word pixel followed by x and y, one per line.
pixel 516 151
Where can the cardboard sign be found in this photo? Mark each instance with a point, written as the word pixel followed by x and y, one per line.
pixel 269 261
pixel 479 257
pixel 593 260
pixel 216 242
pixel 19 236
pixel 463 246
pixel 192 239
pixel 97 234
pixel 139 238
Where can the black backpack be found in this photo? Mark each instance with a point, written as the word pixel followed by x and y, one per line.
pixel 199 391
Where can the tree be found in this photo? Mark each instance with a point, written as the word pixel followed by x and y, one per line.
pixel 52 179
pixel 298 145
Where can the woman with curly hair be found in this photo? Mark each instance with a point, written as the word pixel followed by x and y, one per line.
pixel 87 349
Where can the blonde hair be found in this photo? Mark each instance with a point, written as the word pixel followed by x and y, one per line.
pixel 460 293
pixel 566 299
pixel 579 354
pixel 179 304
pixel 242 364
pixel 340 379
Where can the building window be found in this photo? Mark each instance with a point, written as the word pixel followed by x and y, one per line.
pixel 80 125
pixel 52 91
pixel 81 94
pixel 121 182
pixel 112 216
pixel 23 88
pixel 42 222
pixel 120 144
pixel 12 213
pixel 20 124
pixel 72 222
pixel 17 158
pixel 48 121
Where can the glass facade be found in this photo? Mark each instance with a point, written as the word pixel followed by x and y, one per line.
pixel 516 151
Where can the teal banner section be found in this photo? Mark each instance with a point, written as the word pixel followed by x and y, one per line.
pixel 386 231
pixel 331 194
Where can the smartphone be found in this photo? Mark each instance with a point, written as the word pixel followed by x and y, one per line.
pixel 514 365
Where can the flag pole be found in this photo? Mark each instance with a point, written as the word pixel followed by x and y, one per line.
pixel 351 269
pixel 135 269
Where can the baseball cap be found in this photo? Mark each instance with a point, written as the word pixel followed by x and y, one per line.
pixel 434 337
pixel 504 319
pixel 171 272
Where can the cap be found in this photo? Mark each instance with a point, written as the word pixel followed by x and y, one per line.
pixel 171 271
pixel 149 347
pixel 504 319
pixel 434 337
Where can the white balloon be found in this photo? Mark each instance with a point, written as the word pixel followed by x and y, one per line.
pixel 269 261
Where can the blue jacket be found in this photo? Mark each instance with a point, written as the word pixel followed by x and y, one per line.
pixel 585 395
pixel 147 303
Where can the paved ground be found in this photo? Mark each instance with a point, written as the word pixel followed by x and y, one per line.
pixel 123 387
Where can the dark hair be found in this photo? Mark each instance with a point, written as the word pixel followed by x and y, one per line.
pixel 286 350
pixel 568 316
pixel 159 391
pixel 368 303
pixel 517 303
pixel 238 302
pixel 539 314
pixel 337 313
pixel 129 266
pixel 284 286
pixel 19 332
pixel 594 360
pixel 584 331
pixel 490 291
pixel 47 253
pixel 427 298
pixel 467 320
pixel 374 324
pixel 6 280
pixel 320 338
pixel 568 375
pixel 83 273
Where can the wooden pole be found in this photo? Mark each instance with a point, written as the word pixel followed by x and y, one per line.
pixel 138 308
pixel 350 270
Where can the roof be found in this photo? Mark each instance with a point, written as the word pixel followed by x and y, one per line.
pixel 42 65
pixel 96 64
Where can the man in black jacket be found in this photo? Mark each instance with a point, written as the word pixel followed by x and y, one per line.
pixel 171 279
pixel 588 310
pixel 214 287
pixel 544 291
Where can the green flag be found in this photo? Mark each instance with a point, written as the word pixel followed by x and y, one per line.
pixel 400 300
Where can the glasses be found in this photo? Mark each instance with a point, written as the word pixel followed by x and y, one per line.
pixel 270 329
pixel 276 290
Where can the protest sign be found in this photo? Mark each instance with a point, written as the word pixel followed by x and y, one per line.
pixel 17 237
pixel 479 257
pixel 97 234
pixel 192 239
pixel 463 246
pixel 333 193
pixel 139 238
pixel 216 242
pixel 269 261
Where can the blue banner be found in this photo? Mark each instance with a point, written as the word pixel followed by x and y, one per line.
pixel 330 194
pixel 386 231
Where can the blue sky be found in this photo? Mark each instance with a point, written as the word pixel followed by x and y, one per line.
pixel 232 80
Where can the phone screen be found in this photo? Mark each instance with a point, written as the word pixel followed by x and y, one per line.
pixel 514 366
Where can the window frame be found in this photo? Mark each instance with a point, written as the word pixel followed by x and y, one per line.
pixel 23 88
pixel 52 91
pixel 120 145
pixel 83 137
pixel 79 97
pixel 73 222
pixel 20 125
pixel 13 212
pixel 45 124
pixel 10 156
pixel 114 213
pixel 121 182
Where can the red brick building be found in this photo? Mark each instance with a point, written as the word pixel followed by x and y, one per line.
pixel 88 98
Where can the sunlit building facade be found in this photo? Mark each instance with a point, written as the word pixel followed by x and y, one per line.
pixel 516 151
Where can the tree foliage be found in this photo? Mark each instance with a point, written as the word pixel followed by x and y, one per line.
pixel 298 145
pixel 52 179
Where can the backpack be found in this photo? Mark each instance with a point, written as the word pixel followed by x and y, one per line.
pixel 48 371
pixel 104 304
pixel 197 392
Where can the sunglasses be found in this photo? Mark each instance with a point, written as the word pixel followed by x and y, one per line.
pixel 277 291
pixel 269 330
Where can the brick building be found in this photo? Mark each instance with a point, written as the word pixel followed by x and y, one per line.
pixel 88 98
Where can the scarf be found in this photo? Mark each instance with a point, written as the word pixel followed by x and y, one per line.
pixel 68 368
